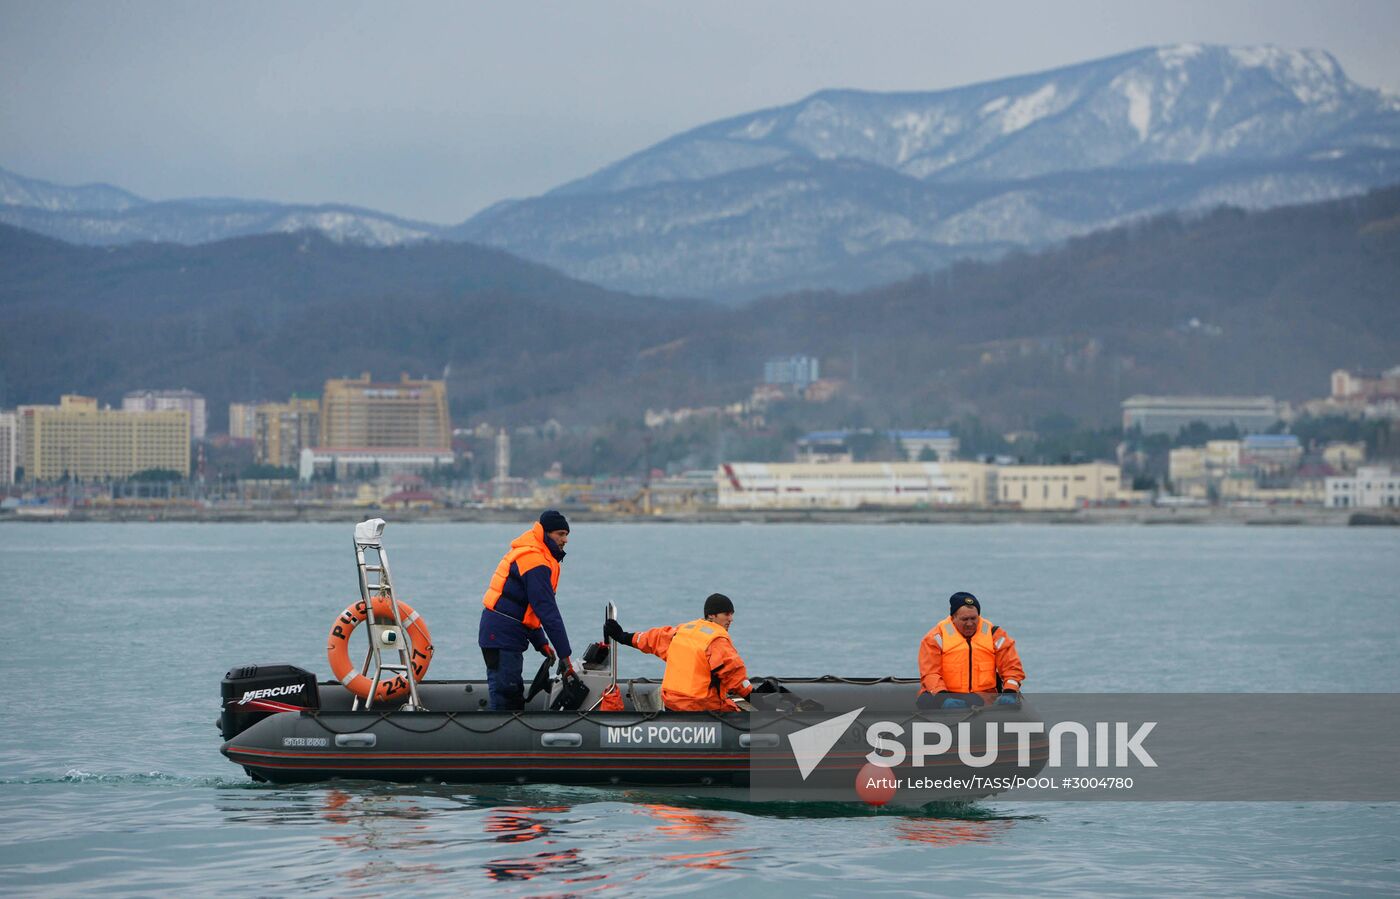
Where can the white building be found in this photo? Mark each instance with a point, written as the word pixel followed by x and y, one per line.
pixel 9 447
pixel 838 485
pixel 167 400
pixel 1169 414
pixel 834 446
pixel 382 460
pixel 798 371
pixel 1369 488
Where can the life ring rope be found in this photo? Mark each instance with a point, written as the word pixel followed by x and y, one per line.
pixel 338 649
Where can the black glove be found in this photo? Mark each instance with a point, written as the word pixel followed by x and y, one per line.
pixel 566 666
pixel 613 631
pixel 765 686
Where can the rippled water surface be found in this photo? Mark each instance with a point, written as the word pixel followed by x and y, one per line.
pixel 117 636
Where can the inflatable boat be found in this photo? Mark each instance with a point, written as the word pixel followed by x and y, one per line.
pixel 383 720
pixel 292 729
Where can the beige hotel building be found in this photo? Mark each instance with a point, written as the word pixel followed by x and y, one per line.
pixel 78 439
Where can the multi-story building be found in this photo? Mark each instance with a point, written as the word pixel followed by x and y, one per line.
pixel 79 440
pixel 283 430
pixel 834 446
pixel 1057 487
pixel 1169 414
pixel 9 447
pixel 357 413
pixel 243 420
pixel 799 371
pixel 1360 395
pixel 161 400
pixel 943 445
pixel 1350 387
pixel 838 485
pixel 1187 471
pixel 1372 487
pixel 1245 488
pixel 359 463
pixel 1344 457
pixel 1270 453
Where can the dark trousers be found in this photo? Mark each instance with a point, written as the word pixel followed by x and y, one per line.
pixel 504 682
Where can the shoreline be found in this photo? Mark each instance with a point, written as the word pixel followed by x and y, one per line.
pixel 1136 515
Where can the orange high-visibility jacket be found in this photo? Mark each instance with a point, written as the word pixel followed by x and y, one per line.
pixel 526 552
pixel 702 666
pixel 949 661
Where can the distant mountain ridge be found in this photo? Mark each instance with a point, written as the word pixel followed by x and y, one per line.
pixel 776 199
pixel 104 215
pixel 848 189
pixel 262 316
pixel 32 193
pixel 1226 303
pixel 1169 105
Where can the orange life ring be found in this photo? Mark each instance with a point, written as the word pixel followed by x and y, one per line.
pixel 338 649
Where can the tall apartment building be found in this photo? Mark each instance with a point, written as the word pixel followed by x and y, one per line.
pixel 80 440
pixel 9 447
pixel 282 430
pixel 358 413
pixel 161 400
pixel 243 421
pixel 1169 414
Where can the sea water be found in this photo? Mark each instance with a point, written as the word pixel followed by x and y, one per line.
pixel 116 637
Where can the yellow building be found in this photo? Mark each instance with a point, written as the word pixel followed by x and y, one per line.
pixel 1055 487
pixel 77 439
pixel 1344 457
pixel 283 430
pixel 363 414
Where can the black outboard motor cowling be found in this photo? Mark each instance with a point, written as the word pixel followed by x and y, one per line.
pixel 252 692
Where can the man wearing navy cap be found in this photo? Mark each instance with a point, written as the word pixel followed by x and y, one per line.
pixel 520 610
pixel 966 654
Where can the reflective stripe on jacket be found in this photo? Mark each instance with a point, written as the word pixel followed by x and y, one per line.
pixel 949 661
pixel 526 552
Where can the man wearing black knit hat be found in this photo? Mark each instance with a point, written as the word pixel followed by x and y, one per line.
pixel 702 666
pixel 520 610
pixel 966 654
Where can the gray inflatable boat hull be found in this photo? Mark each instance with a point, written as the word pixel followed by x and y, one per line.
pixel 458 740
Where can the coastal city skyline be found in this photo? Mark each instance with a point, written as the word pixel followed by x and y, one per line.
pixel 364 442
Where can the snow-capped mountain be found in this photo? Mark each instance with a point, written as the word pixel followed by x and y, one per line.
pixel 16 190
pixel 101 214
pixel 846 189
pixel 849 188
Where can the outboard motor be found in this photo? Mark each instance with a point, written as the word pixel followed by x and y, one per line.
pixel 252 692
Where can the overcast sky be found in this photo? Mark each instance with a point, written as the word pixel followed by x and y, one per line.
pixel 436 110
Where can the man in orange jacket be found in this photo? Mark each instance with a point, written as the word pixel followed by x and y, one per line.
pixel 965 653
pixel 702 666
